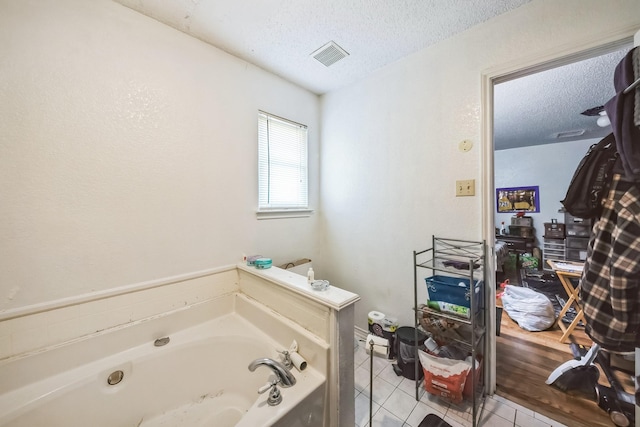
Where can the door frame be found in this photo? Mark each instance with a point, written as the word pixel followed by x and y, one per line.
pixel 554 57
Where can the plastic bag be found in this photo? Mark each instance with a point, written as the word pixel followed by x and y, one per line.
pixel 532 310
pixel 444 377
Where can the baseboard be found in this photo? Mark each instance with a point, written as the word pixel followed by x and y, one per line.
pixel 360 334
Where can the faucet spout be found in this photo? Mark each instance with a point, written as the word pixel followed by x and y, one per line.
pixel 284 376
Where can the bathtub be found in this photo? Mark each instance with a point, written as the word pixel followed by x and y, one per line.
pixel 199 378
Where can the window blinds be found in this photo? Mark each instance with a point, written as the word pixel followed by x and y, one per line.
pixel 282 164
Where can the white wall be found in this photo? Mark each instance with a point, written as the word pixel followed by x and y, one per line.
pixel 389 146
pixel 128 152
pixel 548 166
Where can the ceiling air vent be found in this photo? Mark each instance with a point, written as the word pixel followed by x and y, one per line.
pixel 329 54
pixel 570 134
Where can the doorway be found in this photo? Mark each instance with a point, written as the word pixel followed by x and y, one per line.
pixel 490 81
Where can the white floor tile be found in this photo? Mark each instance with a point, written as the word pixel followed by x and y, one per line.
pixel 361 378
pixel 381 390
pixel 489 419
pixel 389 375
pixel 384 418
pixel 409 387
pixel 362 410
pixel 435 402
pixel 517 407
pixel 526 420
pixel 400 404
pixel 502 409
pixel 379 364
pixel 459 413
pixel 419 412
pixel 546 419
pixel 360 356
pixel 394 403
pixel 455 423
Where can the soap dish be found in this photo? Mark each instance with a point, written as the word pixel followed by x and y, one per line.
pixel 320 285
pixel 263 263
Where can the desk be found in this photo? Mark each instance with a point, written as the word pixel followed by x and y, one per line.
pixel 517 245
pixel 565 270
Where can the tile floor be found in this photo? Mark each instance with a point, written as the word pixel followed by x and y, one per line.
pixel 394 403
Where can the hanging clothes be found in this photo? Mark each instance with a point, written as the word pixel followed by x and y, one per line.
pixel 621 111
pixel 610 283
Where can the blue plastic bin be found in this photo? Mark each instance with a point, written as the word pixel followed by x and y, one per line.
pixel 454 290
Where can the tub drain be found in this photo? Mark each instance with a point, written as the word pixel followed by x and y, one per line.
pixel 161 341
pixel 115 377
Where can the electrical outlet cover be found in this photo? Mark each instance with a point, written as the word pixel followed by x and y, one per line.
pixel 465 145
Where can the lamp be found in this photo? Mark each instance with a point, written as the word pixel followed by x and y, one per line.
pixel 603 121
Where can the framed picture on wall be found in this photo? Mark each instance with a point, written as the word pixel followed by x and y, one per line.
pixel 518 199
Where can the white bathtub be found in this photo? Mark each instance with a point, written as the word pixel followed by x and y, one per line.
pixel 200 378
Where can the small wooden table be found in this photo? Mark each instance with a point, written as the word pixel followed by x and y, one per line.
pixel 565 270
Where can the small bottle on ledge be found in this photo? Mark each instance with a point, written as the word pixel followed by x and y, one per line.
pixel 503 231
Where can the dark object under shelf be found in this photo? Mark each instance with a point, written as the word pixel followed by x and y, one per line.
pixel 432 420
pixel 406 350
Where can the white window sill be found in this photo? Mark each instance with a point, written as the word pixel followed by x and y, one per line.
pixel 284 213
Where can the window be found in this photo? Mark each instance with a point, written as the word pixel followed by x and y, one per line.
pixel 282 164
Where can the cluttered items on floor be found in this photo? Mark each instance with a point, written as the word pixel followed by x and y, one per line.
pixel 530 309
pixel 446 377
pixel 384 329
pixel 549 284
pixel 453 318
pixel 446 364
pixel 580 376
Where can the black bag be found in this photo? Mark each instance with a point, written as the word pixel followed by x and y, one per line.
pixel 591 179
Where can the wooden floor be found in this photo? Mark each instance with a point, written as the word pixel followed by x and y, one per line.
pixel 525 360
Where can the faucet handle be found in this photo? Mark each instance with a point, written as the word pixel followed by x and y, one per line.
pixel 267 386
pixel 275 397
pixel 286 356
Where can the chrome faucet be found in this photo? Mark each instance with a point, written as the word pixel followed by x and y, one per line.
pixel 284 377
pixel 286 359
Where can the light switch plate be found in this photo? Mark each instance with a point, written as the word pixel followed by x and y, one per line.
pixel 466 187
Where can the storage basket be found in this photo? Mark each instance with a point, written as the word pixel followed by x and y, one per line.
pixel 577 242
pixel 521 231
pixel 454 290
pixel 522 221
pixel 553 230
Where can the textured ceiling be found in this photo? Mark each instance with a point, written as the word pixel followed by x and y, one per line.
pixel 532 110
pixel 281 35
